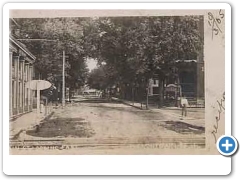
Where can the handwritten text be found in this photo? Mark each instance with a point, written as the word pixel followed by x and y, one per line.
pixel 220 109
pixel 214 22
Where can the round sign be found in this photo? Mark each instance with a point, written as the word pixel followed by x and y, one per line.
pixel 38 84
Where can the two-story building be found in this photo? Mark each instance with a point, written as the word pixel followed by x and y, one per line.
pixel 21 71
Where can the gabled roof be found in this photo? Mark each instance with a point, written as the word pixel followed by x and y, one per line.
pixel 22 47
pixel 15 23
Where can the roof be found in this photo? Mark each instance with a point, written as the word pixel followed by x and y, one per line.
pixel 22 47
pixel 13 20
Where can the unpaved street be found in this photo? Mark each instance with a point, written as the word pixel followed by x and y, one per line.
pixel 98 123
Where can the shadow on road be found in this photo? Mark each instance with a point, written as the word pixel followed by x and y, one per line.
pixel 59 127
pixel 182 127
pixel 142 114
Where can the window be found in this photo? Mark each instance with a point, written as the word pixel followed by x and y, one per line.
pixel 26 73
pixel 13 68
pixel 16 66
pixel 30 73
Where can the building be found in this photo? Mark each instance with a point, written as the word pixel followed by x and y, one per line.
pixel 187 81
pixel 191 78
pixel 21 71
pixel 187 78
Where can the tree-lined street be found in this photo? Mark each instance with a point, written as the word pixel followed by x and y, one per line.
pixel 129 51
pixel 154 62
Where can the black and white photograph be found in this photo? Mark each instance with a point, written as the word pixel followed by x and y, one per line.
pixel 110 84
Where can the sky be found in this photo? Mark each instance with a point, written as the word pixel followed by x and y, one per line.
pixel 91 63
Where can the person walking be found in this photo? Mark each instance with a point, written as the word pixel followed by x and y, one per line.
pixel 184 105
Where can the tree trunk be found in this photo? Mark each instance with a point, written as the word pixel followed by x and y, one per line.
pixel 160 86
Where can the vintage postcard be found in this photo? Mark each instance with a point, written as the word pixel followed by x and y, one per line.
pixel 109 81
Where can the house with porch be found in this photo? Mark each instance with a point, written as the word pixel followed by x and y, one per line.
pixel 21 71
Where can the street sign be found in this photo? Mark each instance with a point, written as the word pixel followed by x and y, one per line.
pixel 38 84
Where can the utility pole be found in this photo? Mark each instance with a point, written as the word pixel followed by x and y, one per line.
pixel 38 100
pixel 63 80
pixel 38 96
pixel 147 94
pixel 133 95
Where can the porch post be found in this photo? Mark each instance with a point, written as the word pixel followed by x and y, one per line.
pixel 16 91
pixel 10 85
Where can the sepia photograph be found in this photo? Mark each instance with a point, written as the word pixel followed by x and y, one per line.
pixel 112 84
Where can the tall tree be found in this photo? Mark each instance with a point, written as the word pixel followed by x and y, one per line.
pixel 46 38
pixel 140 47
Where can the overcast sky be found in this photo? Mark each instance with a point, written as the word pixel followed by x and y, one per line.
pixel 91 63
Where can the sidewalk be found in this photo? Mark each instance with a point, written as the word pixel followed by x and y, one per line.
pixel 195 116
pixel 130 103
pixel 25 122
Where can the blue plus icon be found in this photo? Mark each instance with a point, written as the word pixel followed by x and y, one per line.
pixel 227 145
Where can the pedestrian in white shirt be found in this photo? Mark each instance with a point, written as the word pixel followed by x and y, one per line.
pixel 184 105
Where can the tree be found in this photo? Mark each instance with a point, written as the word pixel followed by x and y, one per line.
pixel 46 38
pixel 140 47
pixel 101 78
pixel 133 49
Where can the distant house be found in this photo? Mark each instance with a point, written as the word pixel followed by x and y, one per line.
pixel 91 92
pixel 21 71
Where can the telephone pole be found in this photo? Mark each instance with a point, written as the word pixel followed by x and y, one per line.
pixel 63 80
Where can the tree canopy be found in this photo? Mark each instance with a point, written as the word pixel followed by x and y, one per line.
pixel 139 47
pixel 132 49
pixel 47 38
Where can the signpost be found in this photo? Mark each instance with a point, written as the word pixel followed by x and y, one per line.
pixel 38 85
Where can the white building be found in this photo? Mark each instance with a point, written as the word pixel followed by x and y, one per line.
pixel 21 71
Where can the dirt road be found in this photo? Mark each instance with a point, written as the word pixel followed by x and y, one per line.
pixel 100 123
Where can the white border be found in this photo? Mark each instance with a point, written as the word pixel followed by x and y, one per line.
pixel 114 165
pixel 168 6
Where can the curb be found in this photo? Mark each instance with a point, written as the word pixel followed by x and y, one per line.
pixel 45 118
pixel 14 137
pixel 167 108
pixel 122 101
